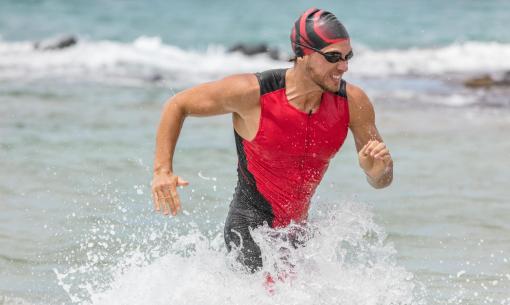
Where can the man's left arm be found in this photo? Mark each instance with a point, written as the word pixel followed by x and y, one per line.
pixel 373 155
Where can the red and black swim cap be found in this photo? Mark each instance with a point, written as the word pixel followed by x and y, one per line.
pixel 317 29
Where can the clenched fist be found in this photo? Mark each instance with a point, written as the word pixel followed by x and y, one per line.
pixel 374 158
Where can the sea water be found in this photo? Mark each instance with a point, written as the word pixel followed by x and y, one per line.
pixel 77 134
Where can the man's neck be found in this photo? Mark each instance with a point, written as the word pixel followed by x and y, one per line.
pixel 301 90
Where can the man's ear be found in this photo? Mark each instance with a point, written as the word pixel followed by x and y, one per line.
pixel 300 59
pixel 299 52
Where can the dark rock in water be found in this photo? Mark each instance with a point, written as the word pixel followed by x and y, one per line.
pixel 274 54
pixel 486 81
pixel 56 43
pixel 255 49
pixel 249 49
pixel 482 81
pixel 155 78
pixel 506 77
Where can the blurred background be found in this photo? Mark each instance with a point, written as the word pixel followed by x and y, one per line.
pixel 82 85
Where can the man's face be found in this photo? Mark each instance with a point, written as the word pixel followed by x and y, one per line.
pixel 325 74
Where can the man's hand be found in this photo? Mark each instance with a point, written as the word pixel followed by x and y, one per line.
pixel 164 193
pixel 374 159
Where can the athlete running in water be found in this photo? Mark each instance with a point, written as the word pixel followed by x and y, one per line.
pixel 288 124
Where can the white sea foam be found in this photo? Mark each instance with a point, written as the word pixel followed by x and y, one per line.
pixel 460 99
pixel 147 58
pixel 456 58
pixel 144 59
pixel 346 260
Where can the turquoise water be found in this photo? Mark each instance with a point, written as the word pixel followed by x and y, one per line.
pixel 377 24
pixel 77 130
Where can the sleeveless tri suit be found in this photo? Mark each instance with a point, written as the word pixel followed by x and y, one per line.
pixel 279 170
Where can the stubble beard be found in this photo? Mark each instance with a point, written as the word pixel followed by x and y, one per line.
pixel 325 87
pixel 321 82
pixel 318 80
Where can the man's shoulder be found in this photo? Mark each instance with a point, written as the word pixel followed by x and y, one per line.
pixel 240 92
pixel 271 80
pixel 360 106
pixel 356 94
pixel 246 82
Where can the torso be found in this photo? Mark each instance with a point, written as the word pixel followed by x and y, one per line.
pixel 284 151
pixel 246 124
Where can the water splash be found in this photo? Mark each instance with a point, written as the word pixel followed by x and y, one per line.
pixel 345 260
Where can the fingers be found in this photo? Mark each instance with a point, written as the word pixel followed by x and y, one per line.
pixel 169 205
pixel 165 196
pixel 363 151
pixel 175 200
pixel 175 195
pixel 386 159
pixel 182 182
pixel 162 200
pixel 375 149
pixel 155 200
pixel 382 152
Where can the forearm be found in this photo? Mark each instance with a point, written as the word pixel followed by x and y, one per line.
pixel 382 180
pixel 168 132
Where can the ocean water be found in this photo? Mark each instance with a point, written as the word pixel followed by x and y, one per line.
pixel 77 129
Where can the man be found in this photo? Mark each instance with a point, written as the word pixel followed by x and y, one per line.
pixel 288 124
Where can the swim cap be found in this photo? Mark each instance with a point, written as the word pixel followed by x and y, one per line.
pixel 317 29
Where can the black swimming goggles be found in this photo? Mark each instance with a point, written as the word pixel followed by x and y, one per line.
pixel 332 57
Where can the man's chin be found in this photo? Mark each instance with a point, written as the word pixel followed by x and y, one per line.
pixel 332 88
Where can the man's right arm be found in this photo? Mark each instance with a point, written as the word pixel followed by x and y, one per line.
pixel 235 94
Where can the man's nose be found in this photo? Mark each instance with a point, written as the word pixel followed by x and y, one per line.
pixel 343 65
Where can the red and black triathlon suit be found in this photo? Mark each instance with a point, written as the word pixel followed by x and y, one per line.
pixel 279 170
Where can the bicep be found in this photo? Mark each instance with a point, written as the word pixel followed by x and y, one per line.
pixel 218 97
pixel 362 123
pixel 363 133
